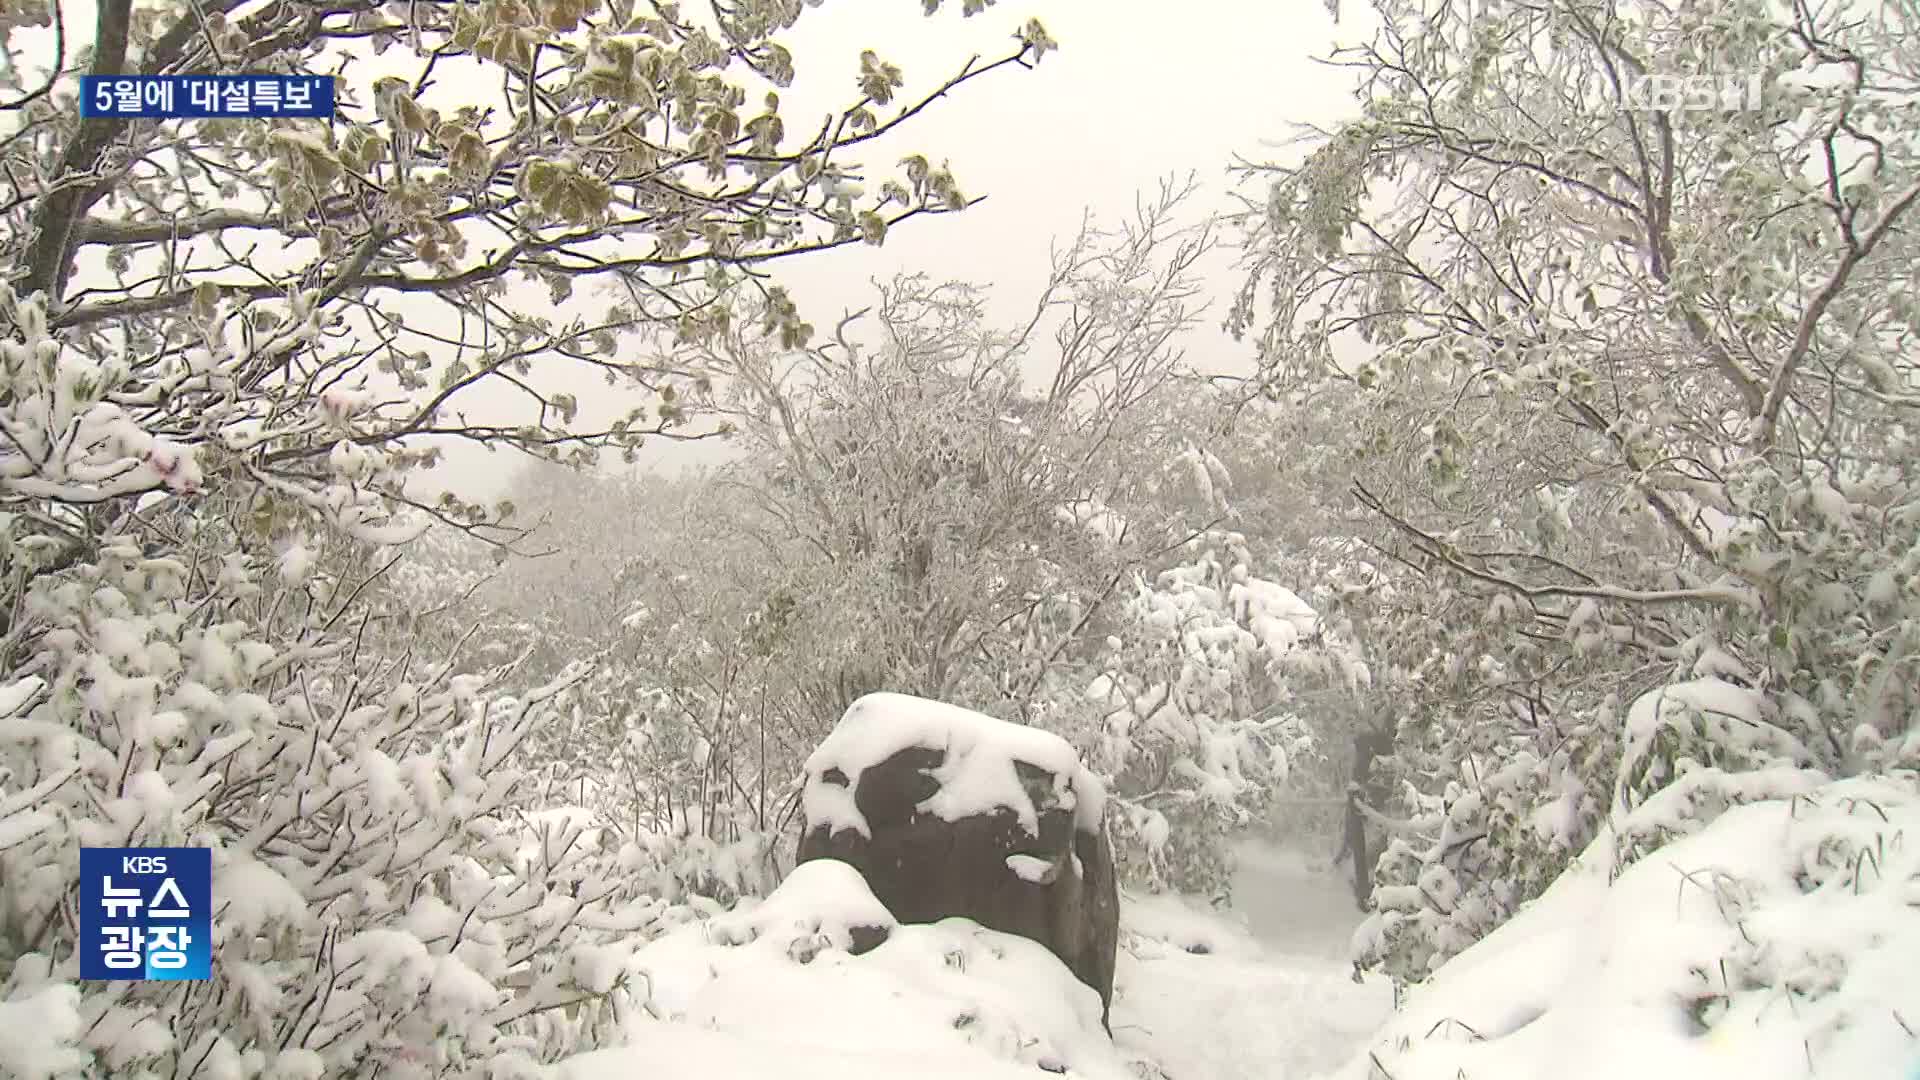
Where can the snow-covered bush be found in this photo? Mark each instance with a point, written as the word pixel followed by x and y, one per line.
pixel 1192 711
pixel 1776 942
pixel 367 910
pixel 198 671
pixel 1489 825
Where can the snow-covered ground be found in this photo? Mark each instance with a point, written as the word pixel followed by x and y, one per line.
pixel 1293 903
pixel 1777 943
pixel 1200 996
pixel 1272 998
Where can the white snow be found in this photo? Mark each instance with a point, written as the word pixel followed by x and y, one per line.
pixel 977 777
pixel 681 1050
pixel 1710 696
pixel 777 980
pixel 1030 868
pixel 1275 614
pixel 254 897
pixel 1199 997
pixel 1260 993
pixel 40 1032
pixel 820 897
pixel 1778 942
pixel 1099 521
pixel 552 834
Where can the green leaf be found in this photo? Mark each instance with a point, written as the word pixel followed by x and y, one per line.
pixel 206 300
pixel 1036 39
pixel 878 79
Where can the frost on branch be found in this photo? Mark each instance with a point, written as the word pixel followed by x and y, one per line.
pixel 83 432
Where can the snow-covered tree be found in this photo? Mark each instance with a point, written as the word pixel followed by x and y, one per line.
pixel 904 513
pixel 913 459
pixel 373 262
pixel 1633 415
pixel 1192 709
pixel 207 444
pixel 916 511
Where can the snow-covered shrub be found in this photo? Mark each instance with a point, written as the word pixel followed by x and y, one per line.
pixel 357 836
pixel 1192 713
pixel 1506 818
pixel 201 671
pixel 1772 944
pixel 1692 750
pixel 368 908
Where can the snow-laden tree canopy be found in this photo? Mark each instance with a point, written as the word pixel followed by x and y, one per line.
pixel 1630 411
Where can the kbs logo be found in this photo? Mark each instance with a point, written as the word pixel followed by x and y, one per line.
pixel 1692 93
pixel 146 913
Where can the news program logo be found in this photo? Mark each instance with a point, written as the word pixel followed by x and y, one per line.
pixel 146 913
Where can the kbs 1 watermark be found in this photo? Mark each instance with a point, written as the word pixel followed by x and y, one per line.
pixel 1711 92
pixel 146 913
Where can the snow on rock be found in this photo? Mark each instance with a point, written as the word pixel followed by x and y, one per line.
pixel 1778 942
pixel 949 995
pixel 977 777
pixel 1031 868
pixel 818 908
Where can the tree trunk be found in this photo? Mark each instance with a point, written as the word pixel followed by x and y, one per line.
pixel 1363 790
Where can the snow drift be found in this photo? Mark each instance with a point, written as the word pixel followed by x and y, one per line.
pixel 1779 942
pixel 771 989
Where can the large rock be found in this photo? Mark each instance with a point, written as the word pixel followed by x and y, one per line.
pixel 947 812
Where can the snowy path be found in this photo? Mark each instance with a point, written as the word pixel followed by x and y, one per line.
pixel 1279 1004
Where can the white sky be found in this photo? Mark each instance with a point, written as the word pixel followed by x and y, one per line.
pixel 1138 92
pixel 1134 94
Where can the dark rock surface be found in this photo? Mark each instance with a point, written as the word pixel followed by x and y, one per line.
pixel 1062 894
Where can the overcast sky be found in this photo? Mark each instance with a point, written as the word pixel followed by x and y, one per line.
pixel 1137 92
pixel 1134 94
